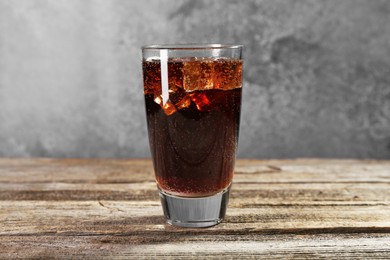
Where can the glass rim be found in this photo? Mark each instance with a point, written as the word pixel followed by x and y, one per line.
pixel 191 46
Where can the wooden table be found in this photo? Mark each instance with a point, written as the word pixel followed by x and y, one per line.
pixel 108 208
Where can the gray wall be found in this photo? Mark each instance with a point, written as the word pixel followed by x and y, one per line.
pixel 317 74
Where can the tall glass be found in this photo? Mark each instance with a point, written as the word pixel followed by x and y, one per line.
pixel 193 102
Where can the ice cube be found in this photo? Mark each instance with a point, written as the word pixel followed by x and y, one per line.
pixel 198 74
pixel 207 74
pixel 192 72
pixel 168 107
pixel 176 93
pixel 184 102
pixel 158 99
pixel 175 74
pixel 152 77
pixel 201 101
pixel 179 97
pixel 227 74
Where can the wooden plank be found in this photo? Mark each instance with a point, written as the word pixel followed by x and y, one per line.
pixel 75 170
pixel 131 170
pixel 196 246
pixel 248 192
pixel 118 217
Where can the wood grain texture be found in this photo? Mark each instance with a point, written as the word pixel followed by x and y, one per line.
pixel 109 208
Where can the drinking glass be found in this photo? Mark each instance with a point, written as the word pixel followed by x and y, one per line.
pixel 193 101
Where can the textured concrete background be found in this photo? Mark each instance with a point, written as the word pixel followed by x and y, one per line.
pixel 317 74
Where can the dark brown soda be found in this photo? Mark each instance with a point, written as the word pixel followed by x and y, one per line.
pixel 193 137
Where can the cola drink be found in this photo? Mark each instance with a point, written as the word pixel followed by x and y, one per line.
pixel 193 125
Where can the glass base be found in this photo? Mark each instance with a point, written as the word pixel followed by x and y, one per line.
pixel 195 212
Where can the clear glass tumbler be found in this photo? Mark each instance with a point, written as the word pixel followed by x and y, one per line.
pixel 193 102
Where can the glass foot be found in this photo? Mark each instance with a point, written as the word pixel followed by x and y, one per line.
pixel 195 212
